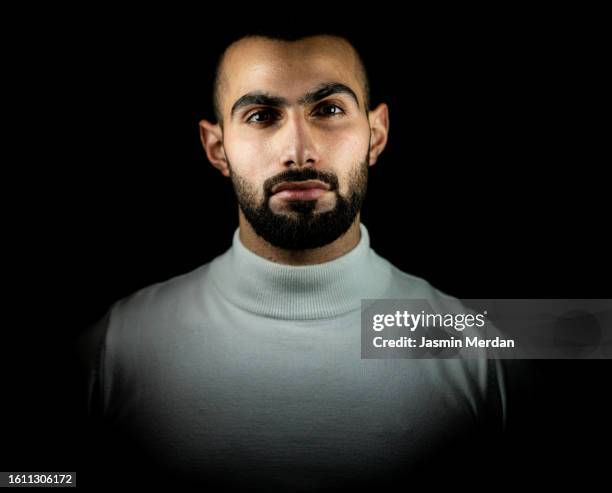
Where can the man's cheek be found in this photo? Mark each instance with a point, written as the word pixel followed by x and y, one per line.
pixel 250 159
pixel 347 148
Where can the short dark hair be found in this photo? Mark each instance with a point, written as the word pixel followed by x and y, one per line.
pixel 286 36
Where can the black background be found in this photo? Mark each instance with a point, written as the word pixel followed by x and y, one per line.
pixel 493 185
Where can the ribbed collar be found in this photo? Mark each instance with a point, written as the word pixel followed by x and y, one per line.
pixel 324 290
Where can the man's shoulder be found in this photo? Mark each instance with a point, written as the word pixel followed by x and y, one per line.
pixel 165 297
pixel 410 286
pixel 133 324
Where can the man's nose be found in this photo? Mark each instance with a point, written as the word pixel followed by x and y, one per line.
pixel 299 147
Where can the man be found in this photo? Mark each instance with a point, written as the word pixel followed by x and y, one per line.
pixel 247 370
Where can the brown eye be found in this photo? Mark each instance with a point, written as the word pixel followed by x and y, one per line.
pixel 330 110
pixel 261 116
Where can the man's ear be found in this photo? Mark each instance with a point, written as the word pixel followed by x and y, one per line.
pixel 211 136
pixel 379 131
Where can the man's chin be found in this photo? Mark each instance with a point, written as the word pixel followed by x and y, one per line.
pixel 297 215
pixel 299 233
pixel 304 207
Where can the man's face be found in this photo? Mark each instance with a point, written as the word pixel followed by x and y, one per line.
pixel 292 112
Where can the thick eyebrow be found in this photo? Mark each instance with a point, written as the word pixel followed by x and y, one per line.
pixel 318 93
pixel 327 89
pixel 259 98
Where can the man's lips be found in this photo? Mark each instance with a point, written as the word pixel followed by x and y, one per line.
pixel 300 190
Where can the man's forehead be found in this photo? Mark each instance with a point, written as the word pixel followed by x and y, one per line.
pixel 320 44
pixel 287 67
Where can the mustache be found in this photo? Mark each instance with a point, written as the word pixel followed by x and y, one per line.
pixel 301 175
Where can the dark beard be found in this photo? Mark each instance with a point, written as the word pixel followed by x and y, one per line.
pixel 306 228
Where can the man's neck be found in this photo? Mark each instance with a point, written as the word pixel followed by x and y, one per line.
pixel 326 253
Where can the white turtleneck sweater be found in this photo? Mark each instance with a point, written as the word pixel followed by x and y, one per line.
pixel 248 369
